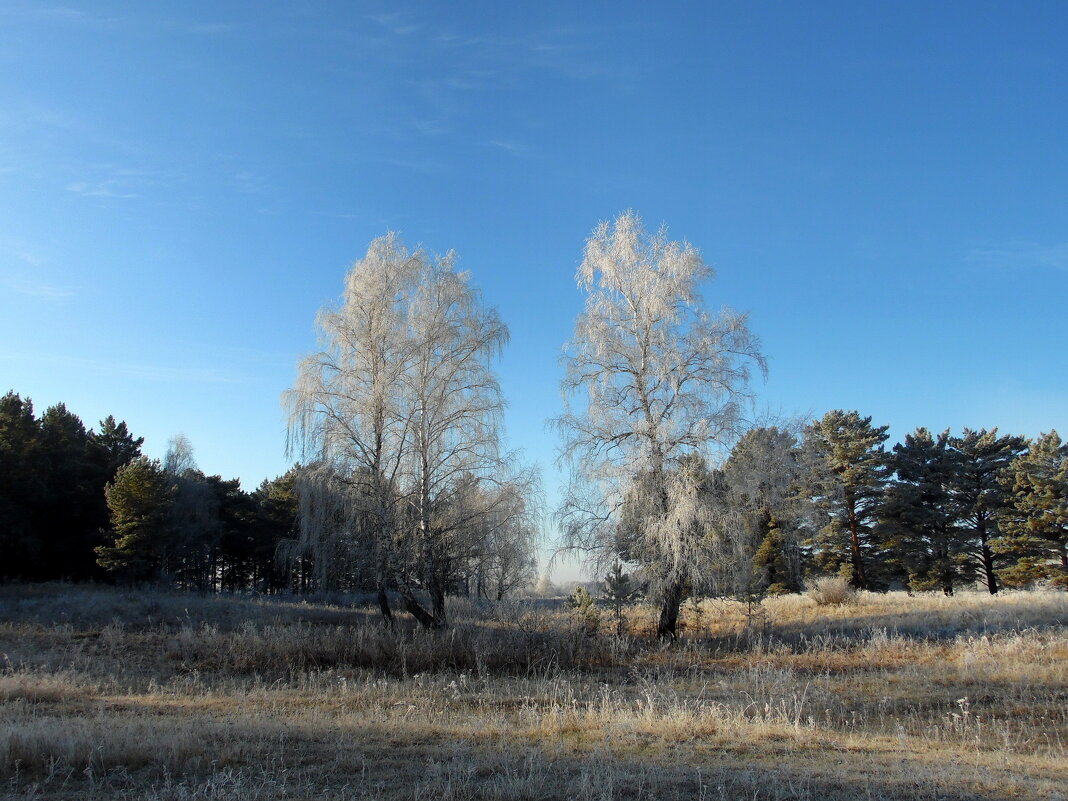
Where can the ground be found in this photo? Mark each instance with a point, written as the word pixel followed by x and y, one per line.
pixel 115 694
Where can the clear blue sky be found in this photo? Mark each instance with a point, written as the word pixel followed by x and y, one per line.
pixel 883 186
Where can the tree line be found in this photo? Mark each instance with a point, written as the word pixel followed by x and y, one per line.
pixel 80 504
pixel 934 512
pixel 404 487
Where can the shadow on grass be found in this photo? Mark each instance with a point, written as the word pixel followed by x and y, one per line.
pixel 229 761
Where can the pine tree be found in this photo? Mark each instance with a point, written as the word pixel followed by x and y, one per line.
pixel 68 522
pixel 108 448
pixel 236 543
pixel 619 590
pixel 980 496
pixel 113 446
pixel 773 564
pixel 918 518
pixel 762 476
pixel 1034 530
pixel 22 490
pixel 585 610
pixel 847 473
pixel 139 499
pixel 273 528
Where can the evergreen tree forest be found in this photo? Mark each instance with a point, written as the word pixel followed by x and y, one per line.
pixel 80 504
pixel 936 512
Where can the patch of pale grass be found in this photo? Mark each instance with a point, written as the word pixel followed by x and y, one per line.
pixel 36 688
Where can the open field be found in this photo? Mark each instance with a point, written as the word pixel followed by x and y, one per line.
pixel 105 693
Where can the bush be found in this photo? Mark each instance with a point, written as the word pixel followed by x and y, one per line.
pixel 831 591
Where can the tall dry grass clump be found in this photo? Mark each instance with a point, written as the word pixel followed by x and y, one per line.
pixel 831 591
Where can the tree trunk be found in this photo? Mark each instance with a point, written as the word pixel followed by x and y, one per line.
pixel 988 560
pixel 860 581
pixel 667 626
pixel 437 601
pixel 425 618
pixel 381 580
pixel 383 605
pixel 945 566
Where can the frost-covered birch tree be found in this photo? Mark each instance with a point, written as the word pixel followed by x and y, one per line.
pixel 348 417
pixel 454 413
pixel 395 414
pixel 493 532
pixel 655 385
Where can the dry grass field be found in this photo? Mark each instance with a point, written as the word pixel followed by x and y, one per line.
pixel 112 694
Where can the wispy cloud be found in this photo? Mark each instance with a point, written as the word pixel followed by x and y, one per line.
pixel 371 219
pixel 396 22
pixel 111 180
pixel 430 127
pixel 167 373
pixel 64 15
pixel 29 257
pixel 562 51
pixel 80 17
pixel 61 13
pixel 28 276
pixel 211 28
pixel 37 289
pixel 427 166
pixel 106 188
pixel 1022 255
pixel 249 182
pixel 513 148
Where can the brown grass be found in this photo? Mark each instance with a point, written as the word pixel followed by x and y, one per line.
pixel 105 694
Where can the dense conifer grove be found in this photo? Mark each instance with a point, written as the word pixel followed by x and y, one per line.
pixel 81 504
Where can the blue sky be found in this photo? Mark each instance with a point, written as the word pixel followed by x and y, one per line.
pixel 884 187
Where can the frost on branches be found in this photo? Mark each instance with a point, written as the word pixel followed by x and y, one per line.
pixel 398 421
pixel 655 385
